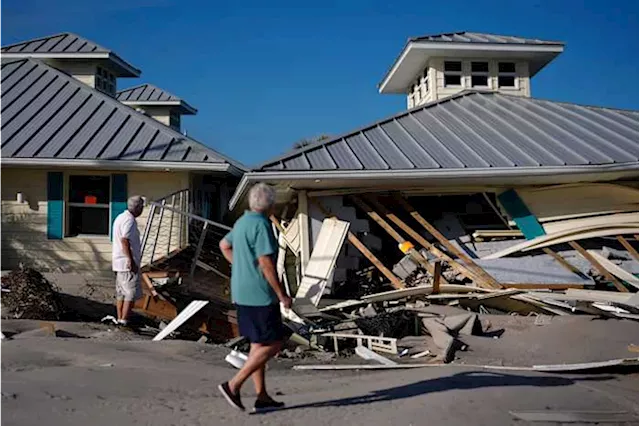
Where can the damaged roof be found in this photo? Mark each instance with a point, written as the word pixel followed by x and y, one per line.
pixel 477 130
pixel 148 94
pixel 67 46
pixel 49 117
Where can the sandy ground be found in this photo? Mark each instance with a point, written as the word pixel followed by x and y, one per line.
pixel 116 378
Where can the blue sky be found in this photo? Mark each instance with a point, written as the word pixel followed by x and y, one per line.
pixel 266 74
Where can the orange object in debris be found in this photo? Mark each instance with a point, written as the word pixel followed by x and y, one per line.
pixel 405 246
pixel 90 199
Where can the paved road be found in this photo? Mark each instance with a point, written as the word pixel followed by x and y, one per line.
pixel 56 381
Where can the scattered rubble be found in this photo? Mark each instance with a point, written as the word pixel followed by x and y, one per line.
pixel 27 294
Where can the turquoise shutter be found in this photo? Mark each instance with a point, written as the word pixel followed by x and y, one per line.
pixel 55 205
pixel 524 219
pixel 118 196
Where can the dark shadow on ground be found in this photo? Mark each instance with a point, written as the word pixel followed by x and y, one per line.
pixel 464 380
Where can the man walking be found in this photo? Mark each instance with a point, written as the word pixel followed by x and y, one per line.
pixel 126 256
pixel 250 247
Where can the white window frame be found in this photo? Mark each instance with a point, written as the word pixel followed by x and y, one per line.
pixel 480 73
pixel 424 80
pixel 513 74
pixel 452 73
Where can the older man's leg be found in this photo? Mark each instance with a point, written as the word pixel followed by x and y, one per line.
pixel 258 356
pixel 119 305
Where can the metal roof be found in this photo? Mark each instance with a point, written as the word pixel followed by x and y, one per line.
pixel 66 45
pixel 51 117
pixel 477 130
pixel 472 37
pixel 148 94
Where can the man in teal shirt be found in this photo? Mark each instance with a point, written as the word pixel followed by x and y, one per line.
pixel 251 247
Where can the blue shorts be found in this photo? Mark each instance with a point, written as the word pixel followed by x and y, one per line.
pixel 262 324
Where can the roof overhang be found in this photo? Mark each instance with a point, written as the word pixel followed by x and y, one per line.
pixel 386 180
pixel 120 66
pixel 132 165
pixel 416 54
pixel 184 107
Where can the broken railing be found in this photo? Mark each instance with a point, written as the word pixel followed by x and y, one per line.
pixel 173 231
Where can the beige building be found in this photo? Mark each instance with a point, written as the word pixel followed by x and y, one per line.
pixel 430 68
pixel 72 152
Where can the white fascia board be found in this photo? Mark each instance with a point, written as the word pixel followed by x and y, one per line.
pixel 467 47
pixel 133 72
pixel 387 175
pixel 133 165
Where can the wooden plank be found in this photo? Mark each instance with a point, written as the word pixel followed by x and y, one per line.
pixel 615 269
pixel 402 243
pixel 484 279
pixel 561 260
pixel 381 344
pixel 437 273
pixel 632 251
pixel 598 266
pixel 303 223
pixel 322 261
pixel 406 228
pixel 186 313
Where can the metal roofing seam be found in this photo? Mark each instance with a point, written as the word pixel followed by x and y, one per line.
pixel 540 118
pixel 419 148
pixel 486 146
pixel 582 119
pixel 443 147
pixel 555 146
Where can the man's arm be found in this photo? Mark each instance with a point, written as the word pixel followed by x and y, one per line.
pixel 227 250
pixel 268 267
pixel 126 245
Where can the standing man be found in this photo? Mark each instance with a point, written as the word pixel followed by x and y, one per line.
pixel 250 247
pixel 126 256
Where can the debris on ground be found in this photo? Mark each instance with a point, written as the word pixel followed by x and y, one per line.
pixel 27 294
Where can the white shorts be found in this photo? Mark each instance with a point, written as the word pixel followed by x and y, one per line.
pixel 128 286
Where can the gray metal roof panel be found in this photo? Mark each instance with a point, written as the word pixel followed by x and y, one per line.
pixel 149 93
pixel 473 37
pixel 57 43
pixel 478 130
pixel 49 115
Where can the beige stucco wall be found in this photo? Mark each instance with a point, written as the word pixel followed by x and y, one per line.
pixel 85 71
pixel 24 225
pixel 437 89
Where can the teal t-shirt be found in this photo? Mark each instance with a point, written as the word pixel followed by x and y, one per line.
pixel 251 238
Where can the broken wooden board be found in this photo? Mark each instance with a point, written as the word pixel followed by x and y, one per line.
pixel 375 343
pixel 632 251
pixel 582 417
pixel 395 281
pixel 323 260
pixel 615 269
pixel 369 355
pixel 608 276
pixel 563 236
pixel 584 366
pixel 187 313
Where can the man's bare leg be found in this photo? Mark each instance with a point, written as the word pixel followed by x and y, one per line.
pixel 258 357
pixel 119 304
pixel 126 309
pixel 259 382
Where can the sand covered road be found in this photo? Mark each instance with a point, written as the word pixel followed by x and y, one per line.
pixel 71 381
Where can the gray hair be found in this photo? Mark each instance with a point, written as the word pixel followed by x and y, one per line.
pixel 135 202
pixel 261 197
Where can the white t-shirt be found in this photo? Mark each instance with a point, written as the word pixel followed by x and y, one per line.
pixel 125 226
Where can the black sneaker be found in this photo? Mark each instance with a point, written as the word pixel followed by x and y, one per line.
pixel 233 400
pixel 270 404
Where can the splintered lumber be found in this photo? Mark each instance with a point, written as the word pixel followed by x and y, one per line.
pixel 416 236
pixel 375 343
pixel 615 269
pixel 415 255
pixel 437 268
pixel 632 251
pixel 395 281
pixel 598 266
pixel 369 355
pixel 483 278
pixel 186 313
